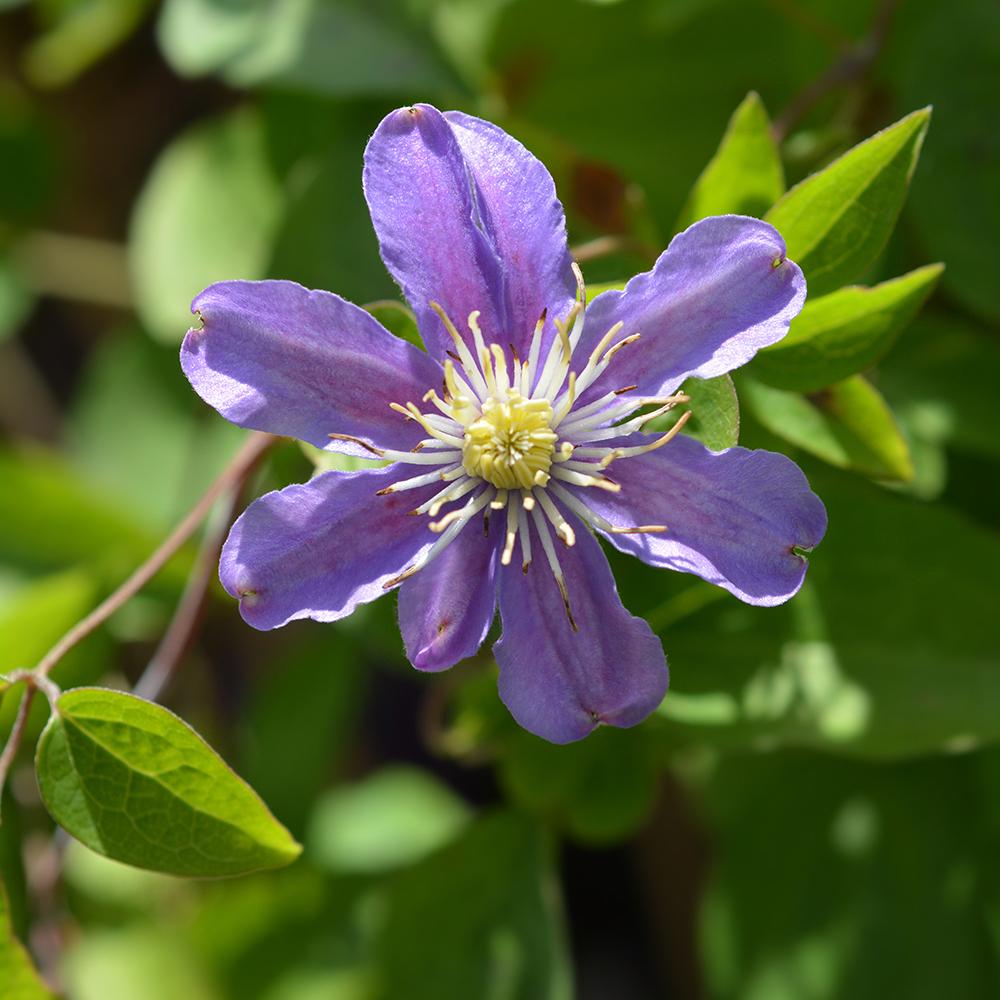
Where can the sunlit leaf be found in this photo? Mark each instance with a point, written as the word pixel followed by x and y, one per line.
pixel 847 424
pixel 844 333
pixel 135 783
pixel 395 817
pixel 745 177
pixel 331 47
pixel 208 212
pixel 837 221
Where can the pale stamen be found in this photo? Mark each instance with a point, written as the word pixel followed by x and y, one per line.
pixel 550 554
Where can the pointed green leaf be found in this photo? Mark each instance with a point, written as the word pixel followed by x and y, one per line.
pixel 837 221
pixel 135 783
pixel 847 424
pixel 18 978
pixel 845 332
pixel 745 176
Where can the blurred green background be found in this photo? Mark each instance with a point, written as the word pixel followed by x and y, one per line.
pixel 813 813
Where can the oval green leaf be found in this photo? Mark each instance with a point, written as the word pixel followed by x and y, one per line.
pixel 837 221
pixel 844 333
pixel 137 784
pixel 745 176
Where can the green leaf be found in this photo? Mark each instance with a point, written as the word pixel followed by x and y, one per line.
pixel 337 48
pixel 745 177
pixel 943 383
pixel 495 930
pixel 715 413
pixel 847 424
pixel 844 333
pixel 600 789
pixel 136 784
pixel 143 959
pixel 855 902
pixel 837 221
pixel 391 819
pixel 18 977
pixel 397 318
pixel 83 34
pixel 31 623
pixel 954 207
pixel 164 457
pixel 208 212
pixel 52 518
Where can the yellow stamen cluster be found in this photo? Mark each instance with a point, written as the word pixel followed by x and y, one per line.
pixel 511 444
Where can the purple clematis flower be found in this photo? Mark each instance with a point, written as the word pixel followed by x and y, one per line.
pixel 514 438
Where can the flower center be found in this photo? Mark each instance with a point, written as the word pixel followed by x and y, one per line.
pixel 511 444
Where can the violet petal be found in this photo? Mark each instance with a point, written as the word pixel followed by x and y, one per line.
pixel 720 292
pixel 467 218
pixel 733 518
pixel 559 683
pixel 446 610
pixel 318 549
pixel 274 356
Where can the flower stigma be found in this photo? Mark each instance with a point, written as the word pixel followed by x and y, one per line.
pixel 507 435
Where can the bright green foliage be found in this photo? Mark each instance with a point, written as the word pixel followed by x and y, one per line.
pixel 135 783
pixel 846 424
pixel 745 177
pixel 395 817
pixel 18 977
pixel 845 332
pixel 837 221
pixel 598 790
pixel 489 900
pixel 208 211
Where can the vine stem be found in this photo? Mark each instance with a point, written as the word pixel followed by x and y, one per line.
pixel 16 734
pixel 231 480
pixel 245 459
